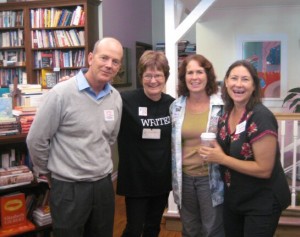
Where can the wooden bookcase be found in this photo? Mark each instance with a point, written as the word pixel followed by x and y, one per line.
pixel 55 53
pixel 16 41
pixel 18 142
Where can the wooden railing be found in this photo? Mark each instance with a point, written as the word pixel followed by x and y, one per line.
pixel 289 139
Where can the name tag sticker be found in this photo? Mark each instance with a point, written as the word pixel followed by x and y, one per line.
pixel 240 127
pixel 151 133
pixel 109 115
pixel 142 111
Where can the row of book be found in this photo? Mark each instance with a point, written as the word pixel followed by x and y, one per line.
pixel 11 19
pixel 7 75
pixel 12 58
pixel 14 157
pixel 57 38
pixel 184 46
pixel 55 17
pixel 13 38
pixel 59 58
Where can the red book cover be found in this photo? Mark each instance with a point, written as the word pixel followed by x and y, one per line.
pixel 15 230
pixel 13 210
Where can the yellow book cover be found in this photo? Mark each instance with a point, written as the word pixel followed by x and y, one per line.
pixel 44 77
pixel 57 17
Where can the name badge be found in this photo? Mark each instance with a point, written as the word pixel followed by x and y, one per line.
pixel 109 115
pixel 151 133
pixel 142 111
pixel 240 127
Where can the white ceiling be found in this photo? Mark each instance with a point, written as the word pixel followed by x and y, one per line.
pixel 252 3
pixel 184 7
pixel 190 4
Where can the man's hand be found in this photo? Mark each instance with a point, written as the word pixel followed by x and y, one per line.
pixel 65 78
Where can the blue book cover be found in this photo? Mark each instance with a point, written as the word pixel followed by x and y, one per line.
pixel 6 107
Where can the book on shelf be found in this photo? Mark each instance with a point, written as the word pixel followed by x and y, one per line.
pixel 13 170
pixel 51 79
pixel 17 230
pixel 26 121
pixel 4 120
pixel 46 58
pixel 5 107
pixel 13 211
pixel 11 57
pixel 5 160
pixel 57 15
pixel 24 111
pixel 9 128
pixel 76 16
pixel 30 99
pixel 7 181
pixel 42 216
pixel 27 88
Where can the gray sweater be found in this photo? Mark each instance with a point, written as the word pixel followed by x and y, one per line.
pixel 72 133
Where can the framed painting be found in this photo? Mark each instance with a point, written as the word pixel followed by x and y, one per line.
pixel 122 78
pixel 268 53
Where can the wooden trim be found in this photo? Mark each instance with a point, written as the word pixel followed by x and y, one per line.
pixel 287 116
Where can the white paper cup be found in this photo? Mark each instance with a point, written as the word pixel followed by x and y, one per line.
pixel 207 139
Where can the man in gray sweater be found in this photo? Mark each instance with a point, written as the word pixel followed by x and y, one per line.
pixel 69 142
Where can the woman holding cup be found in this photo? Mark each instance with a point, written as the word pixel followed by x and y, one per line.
pixel 197 185
pixel 256 190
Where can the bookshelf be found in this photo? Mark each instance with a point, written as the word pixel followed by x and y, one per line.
pixel 36 41
pixel 12 53
pixel 34 192
pixel 52 37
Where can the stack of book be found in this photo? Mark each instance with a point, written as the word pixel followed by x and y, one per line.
pixel 15 176
pixel 42 216
pixel 25 116
pixel 27 88
pixel 8 124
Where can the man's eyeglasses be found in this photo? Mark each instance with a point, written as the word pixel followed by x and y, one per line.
pixel 148 77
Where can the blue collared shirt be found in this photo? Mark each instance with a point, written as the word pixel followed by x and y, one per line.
pixel 83 84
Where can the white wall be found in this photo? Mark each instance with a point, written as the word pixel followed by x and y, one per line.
pixel 219 29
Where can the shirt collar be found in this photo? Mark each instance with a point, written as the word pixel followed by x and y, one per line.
pixel 83 85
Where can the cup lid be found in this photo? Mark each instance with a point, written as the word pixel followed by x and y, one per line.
pixel 208 135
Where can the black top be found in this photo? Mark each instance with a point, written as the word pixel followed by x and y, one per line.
pixel 244 193
pixel 144 164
